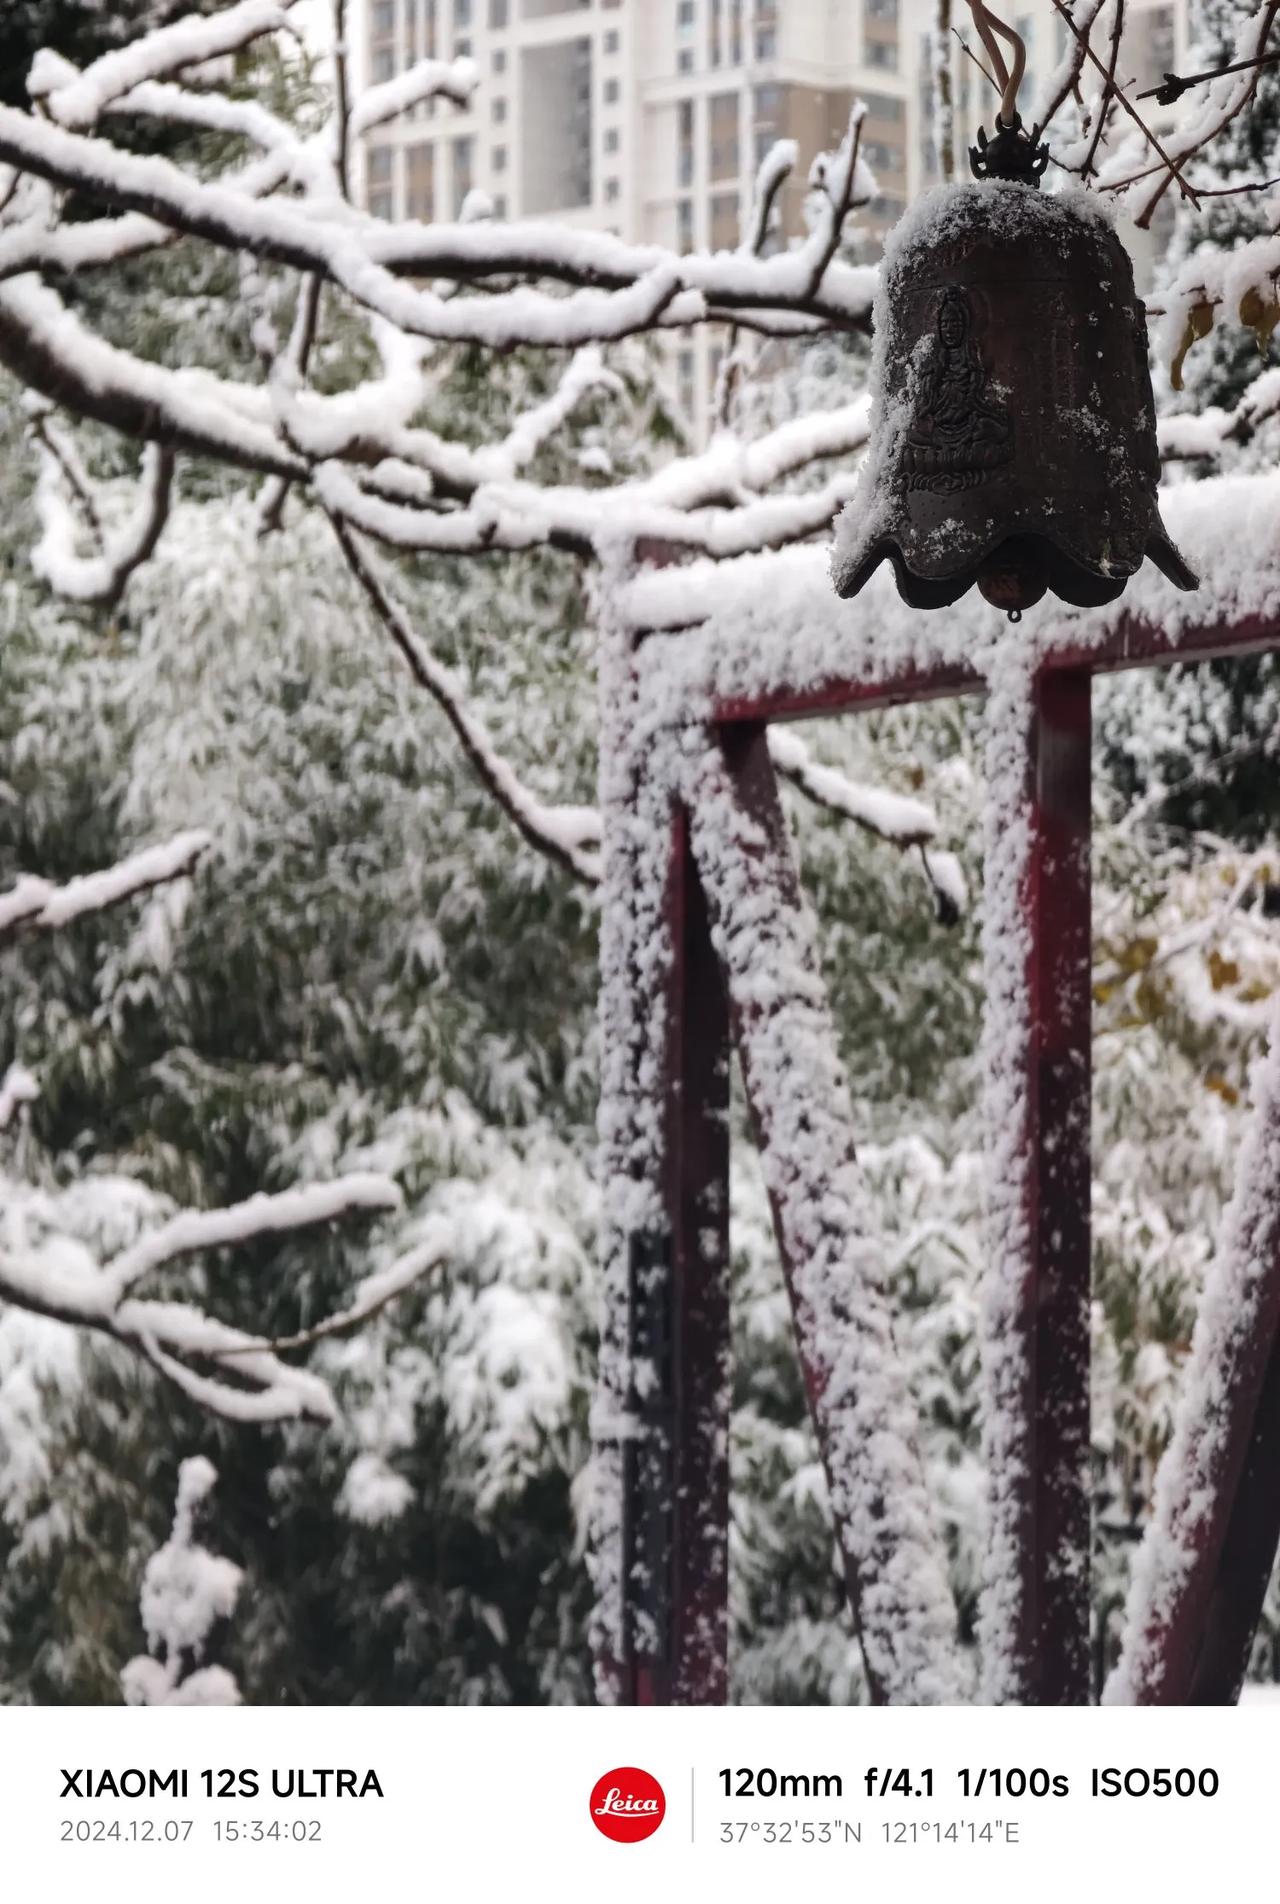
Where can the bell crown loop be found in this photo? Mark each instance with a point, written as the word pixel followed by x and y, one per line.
pixel 1012 154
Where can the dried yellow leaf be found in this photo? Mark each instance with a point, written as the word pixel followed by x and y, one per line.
pixel 1199 324
pixel 1222 971
pixel 1260 315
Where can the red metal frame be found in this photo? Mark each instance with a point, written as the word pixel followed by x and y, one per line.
pixel 676 1505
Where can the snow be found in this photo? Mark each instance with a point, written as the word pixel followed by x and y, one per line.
pixel 186 1591
pixel 46 907
pixel 724 621
pixel 891 816
pixel 259 1215
pixel 1235 1330
pixel 772 626
pixel 866 1413
pixel 1003 1618
pixel 17 1087
pixel 99 578
pixel 187 42
pixel 428 79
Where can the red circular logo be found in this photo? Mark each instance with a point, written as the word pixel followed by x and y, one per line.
pixel 627 1805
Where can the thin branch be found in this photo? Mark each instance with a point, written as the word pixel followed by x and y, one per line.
pixel 374 1295
pixel 559 833
pixel 37 905
pixel 341 99
pixel 1118 93
pixel 771 176
pixel 166 50
pixel 69 1286
pixel 1071 69
pixel 455 80
pixel 840 178
pixel 64 453
pixel 1172 87
pixel 194 1231
pixel 886 816
pixel 986 72
pixel 1104 107
pixel 102 579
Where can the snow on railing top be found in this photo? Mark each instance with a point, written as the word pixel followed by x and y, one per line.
pixel 771 626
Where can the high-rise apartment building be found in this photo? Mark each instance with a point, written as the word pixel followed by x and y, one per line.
pixel 650 117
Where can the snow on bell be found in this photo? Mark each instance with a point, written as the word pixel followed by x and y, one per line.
pixel 1013 435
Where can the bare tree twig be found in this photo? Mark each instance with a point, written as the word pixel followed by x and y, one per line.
pixel 560 834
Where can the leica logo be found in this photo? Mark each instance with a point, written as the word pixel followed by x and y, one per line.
pixel 615 1803
pixel 627 1804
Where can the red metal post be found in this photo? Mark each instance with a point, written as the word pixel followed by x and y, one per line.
pixel 676 1474
pixel 1061 999
pixel 1041 1506
pixel 1248 1551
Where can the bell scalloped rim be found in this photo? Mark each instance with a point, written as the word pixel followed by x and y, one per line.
pixel 1063 573
pixel 1013 435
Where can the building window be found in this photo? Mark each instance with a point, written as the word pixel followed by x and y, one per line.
pixel 882 53
pixel 462 49
pixel 379 165
pixel 383 19
pixel 885 106
pixel 462 12
pixel 684 14
pixel 766 43
pixel 882 10
pixel 499 110
pixel 500 61
pixel 612 41
pixel 611 92
pixel 684 143
pixel 725 156
pixel 611 189
pixel 725 230
pixel 684 60
pixel 500 206
pixel 684 225
pixel 499 158
pixel 463 170
pixel 1154 52
pixel 611 139
pixel 383 65
pixel 685 376
pixel 420 170
pixel 499 15
pixel 380 204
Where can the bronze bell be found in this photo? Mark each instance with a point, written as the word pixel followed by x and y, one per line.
pixel 1014 439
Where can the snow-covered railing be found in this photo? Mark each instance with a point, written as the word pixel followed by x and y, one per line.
pixel 713 651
